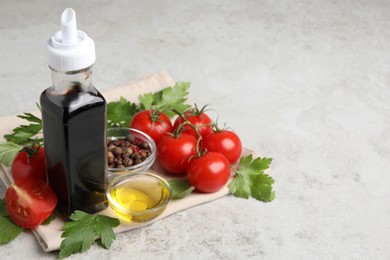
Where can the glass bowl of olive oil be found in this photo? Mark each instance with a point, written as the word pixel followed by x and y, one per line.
pixel 138 197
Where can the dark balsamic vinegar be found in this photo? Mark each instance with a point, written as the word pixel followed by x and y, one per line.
pixel 74 138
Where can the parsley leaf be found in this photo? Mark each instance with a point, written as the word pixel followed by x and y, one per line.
pixel 262 187
pixel 167 99
pixel 80 233
pixel 180 188
pixel 120 113
pixel 240 186
pixel 25 133
pixel 104 231
pixel 147 100
pixel 8 229
pixel 8 152
pixel 251 181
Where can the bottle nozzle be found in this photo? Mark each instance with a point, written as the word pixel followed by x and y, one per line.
pixel 69 26
pixel 70 49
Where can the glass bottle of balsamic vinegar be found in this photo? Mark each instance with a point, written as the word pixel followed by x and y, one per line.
pixel 74 122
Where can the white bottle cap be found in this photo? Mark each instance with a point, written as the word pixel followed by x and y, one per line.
pixel 70 49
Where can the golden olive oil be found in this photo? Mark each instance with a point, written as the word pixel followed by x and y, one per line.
pixel 139 200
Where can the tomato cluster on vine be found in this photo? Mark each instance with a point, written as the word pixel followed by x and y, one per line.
pixel 192 146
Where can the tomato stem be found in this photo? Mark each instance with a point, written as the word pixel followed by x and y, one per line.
pixel 217 129
pixel 195 111
pixel 31 150
pixel 154 114
pixel 179 130
pixel 155 117
pixel 186 122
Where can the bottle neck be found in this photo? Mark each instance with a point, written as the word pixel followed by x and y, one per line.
pixel 62 81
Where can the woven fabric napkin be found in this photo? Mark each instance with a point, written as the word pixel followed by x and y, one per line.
pixel 49 237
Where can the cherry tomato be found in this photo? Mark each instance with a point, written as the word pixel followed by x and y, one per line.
pixel 30 202
pixel 224 142
pixel 199 119
pixel 174 153
pixel 209 172
pixel 155 124
pixel 29 163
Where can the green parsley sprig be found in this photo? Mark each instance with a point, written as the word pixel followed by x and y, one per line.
pixel 25 134
pixel 167 100
pixel 80 233
pixel 120 113
pixel 251 181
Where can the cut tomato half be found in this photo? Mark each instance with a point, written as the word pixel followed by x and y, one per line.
pixel 30 202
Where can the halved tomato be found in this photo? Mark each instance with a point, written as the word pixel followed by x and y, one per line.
pixel 30 202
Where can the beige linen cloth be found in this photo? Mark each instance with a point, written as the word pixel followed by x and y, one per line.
pixel 49 237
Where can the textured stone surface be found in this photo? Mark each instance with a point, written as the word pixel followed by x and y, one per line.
pixel 304 82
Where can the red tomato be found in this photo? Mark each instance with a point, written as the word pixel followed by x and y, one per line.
pixel 199 119
pixel 155 124
pixel 224 142
pixel 30 202
pixel 209 172
pixel 174 153
pixel 29 164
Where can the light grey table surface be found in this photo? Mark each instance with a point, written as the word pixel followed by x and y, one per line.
pixel 304 82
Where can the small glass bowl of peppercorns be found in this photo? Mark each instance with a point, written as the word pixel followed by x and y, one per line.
pixel 129 150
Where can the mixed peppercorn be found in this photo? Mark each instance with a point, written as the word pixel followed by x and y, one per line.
pixel 126 152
